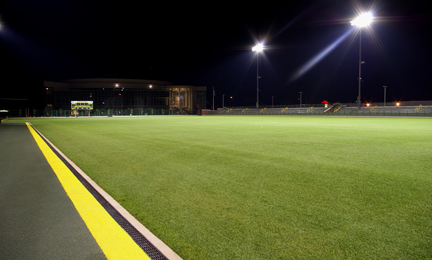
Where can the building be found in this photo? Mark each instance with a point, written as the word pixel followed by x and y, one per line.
pixel 122 94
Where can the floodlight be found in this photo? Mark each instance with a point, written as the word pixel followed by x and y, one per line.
pixel 258 48
pixel 362 20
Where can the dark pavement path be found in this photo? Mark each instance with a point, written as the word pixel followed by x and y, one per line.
pixel 37 218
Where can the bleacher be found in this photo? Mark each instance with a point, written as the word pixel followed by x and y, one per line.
pixel 387 111
pixel 274 111
pixel 336 109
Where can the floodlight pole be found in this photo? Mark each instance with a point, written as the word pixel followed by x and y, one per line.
pixel 257 103
pixel 362 20
pixel 301 98
pixel 359 78
pixel 213 99
pixel 258 48
pixel 223 100
pixel 385 88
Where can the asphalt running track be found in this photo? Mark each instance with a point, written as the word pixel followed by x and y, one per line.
pixel 49 209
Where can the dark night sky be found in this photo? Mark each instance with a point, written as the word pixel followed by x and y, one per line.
pixel 209 44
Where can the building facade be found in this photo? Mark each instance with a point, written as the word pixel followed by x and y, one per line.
pixel 123 94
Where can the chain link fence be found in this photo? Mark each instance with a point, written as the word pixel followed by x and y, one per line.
pixel 403 108
pixel 98 112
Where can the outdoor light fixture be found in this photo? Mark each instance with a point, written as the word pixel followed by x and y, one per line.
pixel 361 21
pixel 258 49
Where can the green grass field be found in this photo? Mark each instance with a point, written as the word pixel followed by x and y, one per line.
pixel 268 187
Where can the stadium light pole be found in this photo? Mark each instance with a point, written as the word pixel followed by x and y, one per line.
pixel 258 49
pixel 385 88
pixel 301 98
pixel 214 94
pixel 361 21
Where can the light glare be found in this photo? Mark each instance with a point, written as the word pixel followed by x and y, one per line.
pixel 258 48
pixel 362 20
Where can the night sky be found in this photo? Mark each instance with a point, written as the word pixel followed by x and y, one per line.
pixel 310 47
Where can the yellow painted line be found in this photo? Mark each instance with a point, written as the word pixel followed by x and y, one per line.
pixel 111 237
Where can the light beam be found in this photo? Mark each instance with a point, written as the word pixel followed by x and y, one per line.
pixel 317 58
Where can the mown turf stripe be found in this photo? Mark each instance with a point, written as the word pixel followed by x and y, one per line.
pixel 112 239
